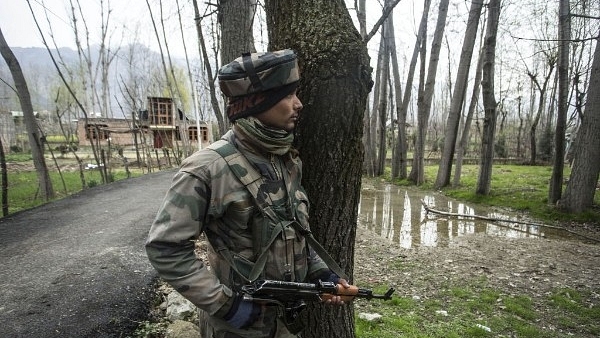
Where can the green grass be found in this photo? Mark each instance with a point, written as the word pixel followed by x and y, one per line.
pixel 473 309
pixel 519 187
pixel 20 157
pixel 23 191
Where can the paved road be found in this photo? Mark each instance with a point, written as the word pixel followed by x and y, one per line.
pixel 77 267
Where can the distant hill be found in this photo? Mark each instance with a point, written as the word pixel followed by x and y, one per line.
pixel 135 63
pixel 38 58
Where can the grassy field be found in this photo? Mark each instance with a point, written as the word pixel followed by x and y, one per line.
pixel 23 190
pixel 474 303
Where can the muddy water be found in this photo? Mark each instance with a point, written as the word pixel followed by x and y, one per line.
pixel 397 214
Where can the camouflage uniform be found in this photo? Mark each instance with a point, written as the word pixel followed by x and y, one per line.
pixel 207 197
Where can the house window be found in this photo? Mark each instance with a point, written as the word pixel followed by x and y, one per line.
pixel 204 133
pixel 192 133
pixel 161 112
pixel 96 132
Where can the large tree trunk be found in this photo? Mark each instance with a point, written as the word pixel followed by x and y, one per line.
pixel 336 79
pixel 417 174
pixel 489 101
pixel 33 134
pixel 458 97
pixel 581 188
pixel 556 180
pixel 237 17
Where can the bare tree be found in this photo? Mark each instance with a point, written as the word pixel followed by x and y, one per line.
pixel 399 163
pixel 398 158
pixel 417 174
pixel 382 106
pixel 489 100
pixel 35 140
pixel 219 115
pixel 458 96
pixel 4 180
pixel 556 180
pixel 543 89
pixel 334 87
pixel 371 119
pixel 70 90
pixel 464 138
pixel 195 106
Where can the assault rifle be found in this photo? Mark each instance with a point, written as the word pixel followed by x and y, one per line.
pixel 292 296
pixel 285 292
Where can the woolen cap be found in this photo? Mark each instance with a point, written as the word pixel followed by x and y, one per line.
pixel 255 82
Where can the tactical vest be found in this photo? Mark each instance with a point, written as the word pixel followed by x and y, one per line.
pixel 272 224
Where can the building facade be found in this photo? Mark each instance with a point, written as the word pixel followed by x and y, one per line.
pixel 162 125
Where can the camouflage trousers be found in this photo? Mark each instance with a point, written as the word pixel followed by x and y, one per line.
pixel 211 327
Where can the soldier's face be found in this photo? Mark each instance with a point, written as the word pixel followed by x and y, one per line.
pixel 284 114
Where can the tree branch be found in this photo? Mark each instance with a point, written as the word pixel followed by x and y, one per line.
pixel 557 40
pixel 429 209
pixel 384 15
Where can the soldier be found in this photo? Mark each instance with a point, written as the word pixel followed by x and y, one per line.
pixel 244 192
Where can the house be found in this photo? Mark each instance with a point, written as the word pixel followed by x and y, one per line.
pixel 161 125
pixel 13 131
pixel 8 129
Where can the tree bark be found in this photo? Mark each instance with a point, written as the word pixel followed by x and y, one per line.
pixel 458 97
pixel 336 79
pixel 489 100
pixel 556 180
pixel 236 20
pixel 580 190
pixel 35 141
pixel 237 17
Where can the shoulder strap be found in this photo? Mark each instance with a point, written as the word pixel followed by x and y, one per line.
pixel 251 179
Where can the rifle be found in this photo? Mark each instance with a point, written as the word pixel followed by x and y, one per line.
pixel 292 296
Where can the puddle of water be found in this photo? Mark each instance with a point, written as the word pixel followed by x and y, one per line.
pixel 397 214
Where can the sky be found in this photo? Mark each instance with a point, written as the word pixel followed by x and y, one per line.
pixel 129 21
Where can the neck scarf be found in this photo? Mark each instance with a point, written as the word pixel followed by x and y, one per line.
pixel 274 141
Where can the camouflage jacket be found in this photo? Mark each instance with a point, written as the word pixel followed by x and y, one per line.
pixel 206 196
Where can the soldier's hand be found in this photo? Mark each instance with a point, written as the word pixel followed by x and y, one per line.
pixel 345 293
